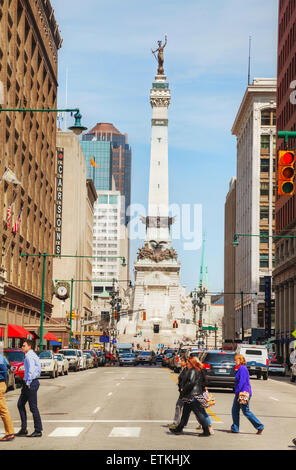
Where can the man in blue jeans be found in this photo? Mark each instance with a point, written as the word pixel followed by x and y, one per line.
pixel 29 391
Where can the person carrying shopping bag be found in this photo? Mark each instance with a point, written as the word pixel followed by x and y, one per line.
pixel 243 394
pixel 192 388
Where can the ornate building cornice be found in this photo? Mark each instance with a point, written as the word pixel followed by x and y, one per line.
pixel 46 15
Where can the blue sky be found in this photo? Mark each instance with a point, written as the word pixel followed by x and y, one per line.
pixel 107 50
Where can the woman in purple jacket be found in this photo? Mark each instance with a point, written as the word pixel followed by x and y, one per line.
pixel 242 384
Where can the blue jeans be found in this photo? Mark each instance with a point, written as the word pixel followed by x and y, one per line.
pixel 236 407
pixel 30 395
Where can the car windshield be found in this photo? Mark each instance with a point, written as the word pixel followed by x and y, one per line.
pixel 88 355
pixel 58 357
pixel 219 358
pixel 145 353
pixel 15 356
pixel 69 353
pixel 45 355
pixel 127 355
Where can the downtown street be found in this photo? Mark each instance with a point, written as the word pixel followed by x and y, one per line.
pixel 131 408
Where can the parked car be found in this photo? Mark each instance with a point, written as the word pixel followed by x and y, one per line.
pixel 16 358
pixel 159 357
pixel 276 366
pixel 101 358
pixel 219 368
pixel 127 359
pixel 63 364
pixel 89 360
pixel 10 379
pixel 256 356
pixel 165 359
pixel 109 357
pixel 93 355
pixel 146 357
pixel 49 364
pixel 82 359
pixel 72 357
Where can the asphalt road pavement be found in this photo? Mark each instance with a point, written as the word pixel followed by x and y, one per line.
pixel 130 408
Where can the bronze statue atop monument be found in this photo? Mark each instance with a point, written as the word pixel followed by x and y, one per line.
pixel 160 59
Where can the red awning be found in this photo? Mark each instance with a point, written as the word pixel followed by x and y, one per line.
pixel 15 331
pixel 50 337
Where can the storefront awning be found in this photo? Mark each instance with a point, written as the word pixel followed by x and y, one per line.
pixel 50 337
pixel 56 343
pixel 16 331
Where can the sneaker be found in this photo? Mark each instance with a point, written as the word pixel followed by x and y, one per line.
pixel 259 431
pixel 173 430
pixel 22 432
pixel 7 437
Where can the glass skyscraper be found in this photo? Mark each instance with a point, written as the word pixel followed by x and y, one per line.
pixel 102 156
pixel 105 142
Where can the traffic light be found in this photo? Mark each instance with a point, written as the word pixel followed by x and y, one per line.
pixel 200 323
pixel 118 311
pixel 286 172
pixel 115 315
pixel 144 316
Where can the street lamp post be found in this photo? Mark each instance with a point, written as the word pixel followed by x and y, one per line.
pixel 77 128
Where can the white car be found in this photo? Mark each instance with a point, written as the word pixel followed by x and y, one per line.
pixel 63 364
pixel 82 359
pixel 49 364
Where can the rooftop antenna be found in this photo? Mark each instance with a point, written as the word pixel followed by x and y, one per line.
pixel 249 67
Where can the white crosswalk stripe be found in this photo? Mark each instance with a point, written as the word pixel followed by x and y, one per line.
pixel 125 432
pixel 66 432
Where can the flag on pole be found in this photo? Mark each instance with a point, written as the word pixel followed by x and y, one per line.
pixel 9 213
pixel 93 163
pixel 16 226
pixel 10 177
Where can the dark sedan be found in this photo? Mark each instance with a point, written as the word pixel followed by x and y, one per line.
pixel 219 367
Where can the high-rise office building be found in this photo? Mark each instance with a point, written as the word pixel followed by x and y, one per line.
pixel 29 43
pixel 255 129
pixel 108 159
pixel 284 274
pixel 105 139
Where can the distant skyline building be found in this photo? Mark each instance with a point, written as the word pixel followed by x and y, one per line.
pixel 105 142
pixel 109 242
pixel 255 129
pixel 108 159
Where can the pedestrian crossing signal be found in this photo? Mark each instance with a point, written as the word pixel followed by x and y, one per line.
pixel 286 172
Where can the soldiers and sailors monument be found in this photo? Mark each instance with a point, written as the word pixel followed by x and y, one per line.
pixel 158 300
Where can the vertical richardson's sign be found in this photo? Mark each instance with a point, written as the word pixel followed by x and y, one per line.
pixel 59 201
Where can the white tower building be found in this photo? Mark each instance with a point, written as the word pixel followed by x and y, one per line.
pixel 159 302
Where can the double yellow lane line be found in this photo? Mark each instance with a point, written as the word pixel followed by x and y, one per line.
pixel 208 409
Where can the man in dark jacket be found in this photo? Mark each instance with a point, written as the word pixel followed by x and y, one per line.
pixel 4 413
pixel 192 387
